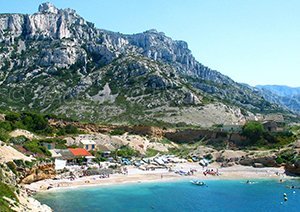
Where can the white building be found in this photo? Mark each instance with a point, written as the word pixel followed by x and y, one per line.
pixel 88 145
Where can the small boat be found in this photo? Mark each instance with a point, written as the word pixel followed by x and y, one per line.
pixel 250 182
pixel 197 182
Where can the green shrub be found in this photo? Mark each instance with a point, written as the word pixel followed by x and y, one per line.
pixel 18 140
pixel 117 132
pixel 13 117
pixel 4 136
pixel 69 129
pixel 19 163
pixel 279 160
pixel 253 130
pixel 6 125
pixel 151 152
pixel 29 121
pixel 59 143
pixel 165 141
pixel 98 156
pixel 125 152
pixel 34 122
pixel 181 151
pixel 12 166
pixel 6 191
pixel 35 147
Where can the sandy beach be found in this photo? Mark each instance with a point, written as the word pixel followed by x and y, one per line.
pixel 160 175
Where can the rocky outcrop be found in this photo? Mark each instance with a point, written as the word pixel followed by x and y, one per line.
pixel 23 202
pixel 48 8
pixel 293 169
pixel 157 46
pixel 40 172
pixel 268 161
pixel 191 98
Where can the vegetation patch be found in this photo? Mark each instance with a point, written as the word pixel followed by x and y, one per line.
pixel 6 191
pixel 35 147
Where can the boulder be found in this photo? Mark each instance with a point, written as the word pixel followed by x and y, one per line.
pixel 297 144
pixel 191 99
pixel 258 165
pixel 2 117
pixel 267 161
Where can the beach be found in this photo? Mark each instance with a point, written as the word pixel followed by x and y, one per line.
pixel 136 175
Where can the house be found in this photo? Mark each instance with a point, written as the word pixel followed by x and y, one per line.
pixel 71 156
pixel 48 146
pixel 55 153
pixel 81 153
pixel 62 157
pixel 88 145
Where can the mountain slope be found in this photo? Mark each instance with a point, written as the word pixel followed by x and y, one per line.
pixel 286 96
pixel 56 62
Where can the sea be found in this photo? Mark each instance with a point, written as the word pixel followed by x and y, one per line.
pixel 216 195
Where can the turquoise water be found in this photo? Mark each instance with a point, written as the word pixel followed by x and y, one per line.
pixel 219 195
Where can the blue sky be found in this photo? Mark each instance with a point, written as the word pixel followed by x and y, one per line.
pixel 252 41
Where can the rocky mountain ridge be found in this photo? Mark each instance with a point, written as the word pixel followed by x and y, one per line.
pixel 54 61
pixel 286 96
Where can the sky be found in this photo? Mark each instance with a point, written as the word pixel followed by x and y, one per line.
pixel 252 41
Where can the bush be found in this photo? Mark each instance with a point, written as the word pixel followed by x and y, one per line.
pixel 4 136
pixel 69 129
pixel 28 121
pixel 34 122
pixel 253 130
pixel 117 132
pixel 279 160
pixel 59 143
pixel 12 166
pixel 34 147
pixel 18 140
pixel 151 152
pixel 125 152
pixel 98 156
pixel 12 117
pixel 5 125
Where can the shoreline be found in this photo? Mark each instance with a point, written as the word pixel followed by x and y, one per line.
pixel 136 176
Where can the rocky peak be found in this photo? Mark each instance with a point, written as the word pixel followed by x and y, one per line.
pixel 48 8
pixel 57 53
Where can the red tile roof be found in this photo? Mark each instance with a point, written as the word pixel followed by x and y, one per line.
pixel 79 152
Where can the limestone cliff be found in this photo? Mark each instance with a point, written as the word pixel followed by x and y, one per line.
pixel 41 172
pixel 54 61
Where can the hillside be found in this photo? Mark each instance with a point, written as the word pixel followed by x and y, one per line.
pixel 54 61
pixel 286 96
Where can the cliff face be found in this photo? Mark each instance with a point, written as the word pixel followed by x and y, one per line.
pixel 54 61
pixel 21 202
pixel 293 169
pixel 41 172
